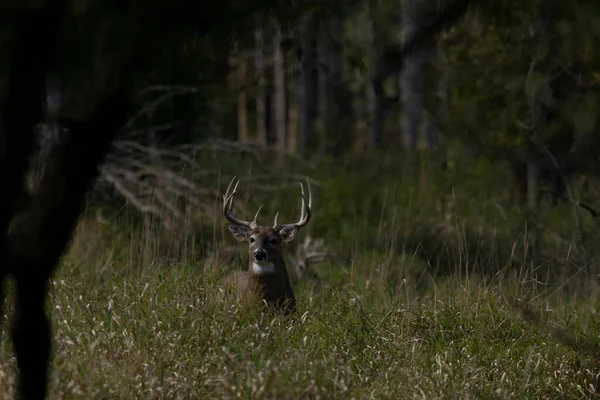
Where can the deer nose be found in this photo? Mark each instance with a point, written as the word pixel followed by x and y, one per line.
pixel 260 255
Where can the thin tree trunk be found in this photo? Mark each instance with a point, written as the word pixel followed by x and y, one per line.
pixel 215 124
pixel 341 106
pixel 533 177
pixel 375 88
pixel 221 110
pixel 540 95
pixel 242 112
pixel 305 85
pixel 431 131
pixel 279 103
pixel 375 116
pixel 360 128
pixel 323 57
pixel 411 78
pixel 261 112
pixel 292 98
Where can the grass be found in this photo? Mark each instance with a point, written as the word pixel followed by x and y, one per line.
pixel 431 295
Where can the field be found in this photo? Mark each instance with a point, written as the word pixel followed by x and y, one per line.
pixel 439 285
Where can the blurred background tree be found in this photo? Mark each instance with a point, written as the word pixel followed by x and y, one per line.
pixel 464 97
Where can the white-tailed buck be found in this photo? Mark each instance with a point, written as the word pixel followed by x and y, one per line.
pixel 267 275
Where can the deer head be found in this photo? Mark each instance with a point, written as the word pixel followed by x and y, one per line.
pixel 265 245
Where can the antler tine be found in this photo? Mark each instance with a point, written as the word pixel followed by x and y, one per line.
pixel 306 210
pixel 226 195
pixel 228 207
pixel 255 220
pixel 228 198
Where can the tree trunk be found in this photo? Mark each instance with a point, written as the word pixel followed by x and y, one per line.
pixel 279 104
pixel 376 115
pixel 215 123
pixel 341 111
pixel 431 131
pixel 306 88
pixel 360 127
pixel 261 111
pixel 242 112
pixel 375 89
pixel 323 57
pixel 292 99
pixel 539 96
pixel 411 78
pixel 37 225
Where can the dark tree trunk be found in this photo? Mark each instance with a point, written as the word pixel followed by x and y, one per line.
pixel 411 77
pixel 375 91
pixel 341 112
pixel 279 103
pixel 261 112
pixel 292 108
pixel 34 45
pixel 306 84
pixel 323 78
pixel 242 110
pixel 38 225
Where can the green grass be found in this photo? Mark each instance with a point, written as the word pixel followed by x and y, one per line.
pixel 161 335
pixel 431 294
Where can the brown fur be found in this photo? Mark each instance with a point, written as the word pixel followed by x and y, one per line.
pixel 267 274
pixel 273 289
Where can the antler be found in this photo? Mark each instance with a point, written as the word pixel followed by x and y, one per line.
pixel 228 208
pixel 311 252
pixel 306 209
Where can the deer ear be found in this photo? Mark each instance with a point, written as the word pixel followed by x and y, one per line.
pixel 288 232
pixel 241 233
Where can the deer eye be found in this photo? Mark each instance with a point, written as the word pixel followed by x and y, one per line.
pixel 272 240
pixel 252 240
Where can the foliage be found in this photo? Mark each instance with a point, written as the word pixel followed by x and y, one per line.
pixel 508 58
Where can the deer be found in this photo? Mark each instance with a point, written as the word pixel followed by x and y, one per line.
pixel 267 275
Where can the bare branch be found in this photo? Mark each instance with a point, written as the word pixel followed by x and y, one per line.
pixel 585 206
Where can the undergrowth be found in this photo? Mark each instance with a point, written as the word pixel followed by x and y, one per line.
pixel 440 286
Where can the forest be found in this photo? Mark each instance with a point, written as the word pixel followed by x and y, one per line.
pixel 452 149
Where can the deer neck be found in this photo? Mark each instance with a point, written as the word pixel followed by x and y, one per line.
pixel 261 269
pixel 272 278
pixel 275 269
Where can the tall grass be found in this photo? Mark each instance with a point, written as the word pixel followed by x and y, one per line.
pixel 441 287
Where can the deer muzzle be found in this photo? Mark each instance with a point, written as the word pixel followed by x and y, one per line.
pixel 260 255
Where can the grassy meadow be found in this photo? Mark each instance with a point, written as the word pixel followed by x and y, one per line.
pixel 439 285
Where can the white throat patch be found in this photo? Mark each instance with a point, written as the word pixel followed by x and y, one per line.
pixel 263 269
